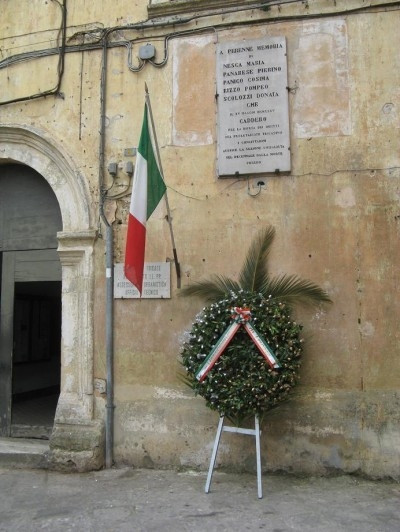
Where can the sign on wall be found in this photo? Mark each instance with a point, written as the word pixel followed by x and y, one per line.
pixel 253 107
pixel 156 282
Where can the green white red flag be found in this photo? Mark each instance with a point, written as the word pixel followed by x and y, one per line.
pixel 147 190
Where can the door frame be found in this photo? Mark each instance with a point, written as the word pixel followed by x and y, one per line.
pixel 6 340
pixel 76 251
pixel 29 265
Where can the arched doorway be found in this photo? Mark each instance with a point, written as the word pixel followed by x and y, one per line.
pixel 77 439
pixel 30 303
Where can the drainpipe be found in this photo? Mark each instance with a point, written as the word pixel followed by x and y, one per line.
pixel 110 345
pixel 109 272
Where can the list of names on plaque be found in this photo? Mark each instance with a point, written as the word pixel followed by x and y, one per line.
pixel 253 107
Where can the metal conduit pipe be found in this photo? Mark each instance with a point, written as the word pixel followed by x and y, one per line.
pixel 109 425
pixel 110 346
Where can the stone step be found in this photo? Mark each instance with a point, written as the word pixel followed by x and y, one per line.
pixel 24 453
pixel 40 432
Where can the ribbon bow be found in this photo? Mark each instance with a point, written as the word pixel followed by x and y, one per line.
pixel 241 315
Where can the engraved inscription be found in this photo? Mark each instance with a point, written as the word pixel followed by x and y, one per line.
pixel 253 114
pixel 156 282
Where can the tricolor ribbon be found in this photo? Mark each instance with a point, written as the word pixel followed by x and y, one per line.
pixel 262 345
pixel 241 317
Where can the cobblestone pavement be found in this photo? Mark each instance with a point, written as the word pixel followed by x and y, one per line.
pixel 148 500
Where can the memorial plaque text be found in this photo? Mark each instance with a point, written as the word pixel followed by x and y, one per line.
pixel 253 113
pixel 156 282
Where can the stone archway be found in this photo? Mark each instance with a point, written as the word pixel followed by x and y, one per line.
pixel 77 438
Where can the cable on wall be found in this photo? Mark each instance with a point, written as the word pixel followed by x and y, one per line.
pixel 61 59
pixel 173 21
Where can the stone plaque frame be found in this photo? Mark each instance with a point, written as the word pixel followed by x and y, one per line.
pixel 253 107
pixel 156 282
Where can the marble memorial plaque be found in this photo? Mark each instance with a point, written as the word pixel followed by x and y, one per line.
pixel 156 282
pixel 253 107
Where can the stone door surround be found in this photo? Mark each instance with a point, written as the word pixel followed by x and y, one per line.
pixel 76 246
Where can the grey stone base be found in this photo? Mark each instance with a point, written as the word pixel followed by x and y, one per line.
pixel 316 432
pixel 77 447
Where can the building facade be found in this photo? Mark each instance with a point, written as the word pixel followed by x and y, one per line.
pixel 72 78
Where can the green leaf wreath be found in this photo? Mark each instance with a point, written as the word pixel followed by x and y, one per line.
pixel 241 383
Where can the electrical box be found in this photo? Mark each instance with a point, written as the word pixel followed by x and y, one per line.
pixel 113 169
pixel 129 168
pixel 147 51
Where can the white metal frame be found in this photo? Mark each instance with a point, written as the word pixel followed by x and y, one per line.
pixel 251 432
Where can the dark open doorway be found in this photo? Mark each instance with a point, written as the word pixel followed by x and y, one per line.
pixel 30 303
pixel 36 358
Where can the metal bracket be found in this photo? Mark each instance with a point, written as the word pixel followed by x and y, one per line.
pixel 251 432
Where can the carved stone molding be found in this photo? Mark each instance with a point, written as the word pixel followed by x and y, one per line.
pixel 76 256
pixel 31 147
pixel 69 448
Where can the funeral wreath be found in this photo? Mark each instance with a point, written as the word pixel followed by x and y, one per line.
pixel 244 350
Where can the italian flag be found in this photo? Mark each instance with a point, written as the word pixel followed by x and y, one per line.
pixel 147 190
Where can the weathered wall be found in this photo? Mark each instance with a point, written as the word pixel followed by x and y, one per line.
pixel 336 216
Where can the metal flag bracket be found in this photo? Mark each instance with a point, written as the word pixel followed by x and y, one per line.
pixel 251 432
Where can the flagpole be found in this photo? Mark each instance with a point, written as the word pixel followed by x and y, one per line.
pixel 177 265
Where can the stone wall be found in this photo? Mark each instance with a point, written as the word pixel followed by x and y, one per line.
pixel 336 214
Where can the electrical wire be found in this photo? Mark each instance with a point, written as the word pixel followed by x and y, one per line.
pixel 150 24
pixel 121 195
pixel 50 29
pixel 130 66
pixel 207 197
pixel 248 189
pixel 179 34
pixel 103 43
pixel 60 66
pixel 346 171
pixel 220 27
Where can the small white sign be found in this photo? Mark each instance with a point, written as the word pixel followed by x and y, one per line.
pixel 156 282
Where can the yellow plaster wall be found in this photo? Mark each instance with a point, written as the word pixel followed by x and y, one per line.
pixel 336 216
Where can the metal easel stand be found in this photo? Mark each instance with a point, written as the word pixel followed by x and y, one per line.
pixel 252 432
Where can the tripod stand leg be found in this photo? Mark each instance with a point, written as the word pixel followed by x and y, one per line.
pixel 258 455
pixel 214 453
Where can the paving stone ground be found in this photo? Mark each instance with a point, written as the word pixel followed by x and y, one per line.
pixel 149 500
